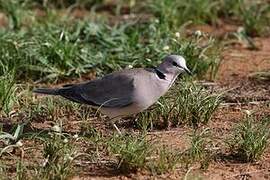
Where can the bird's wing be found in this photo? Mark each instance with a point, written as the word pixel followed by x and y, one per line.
pixel 113 90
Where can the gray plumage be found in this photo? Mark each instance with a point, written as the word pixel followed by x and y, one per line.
pixel 125 92
pixel 103 92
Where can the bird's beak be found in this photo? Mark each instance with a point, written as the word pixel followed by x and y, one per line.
pixel 188 71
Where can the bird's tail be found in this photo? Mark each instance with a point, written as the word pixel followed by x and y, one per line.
pixel 46 91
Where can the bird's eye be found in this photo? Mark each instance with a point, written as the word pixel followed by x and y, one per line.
pixel 174 63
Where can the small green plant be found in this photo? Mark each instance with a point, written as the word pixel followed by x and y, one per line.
pixel 11 140
pixel 250 138
pixel 255 17
pixel 194 104
pixel 175 13
pixel 199 149
pixel 7 93
pixel 167 160
pixel 131 151
pixel 160 116
pixel 15 11
pixel 58 154
pixel 186 104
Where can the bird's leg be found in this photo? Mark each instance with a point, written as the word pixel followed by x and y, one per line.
pixel 112 122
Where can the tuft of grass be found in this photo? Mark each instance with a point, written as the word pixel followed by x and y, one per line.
pixel 195 105
pixel 175 13
pixel 188 103
pixel 166 161
pixel 7 92
pixel 199 149
pixel 250 138
pixel 11 140
pixel 253 15
pixel 256 18
pixel 131 151
pixel 58 154
pixel 21 170
pixel 16 12
pixel 160 116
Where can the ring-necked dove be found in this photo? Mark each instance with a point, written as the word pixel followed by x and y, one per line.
pixel 125 92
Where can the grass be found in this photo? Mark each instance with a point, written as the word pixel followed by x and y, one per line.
pixel 131 151
pixel 167 160
pixel 11 140
pixel 250 138
pixel 7 93
pixel 174 13
pixel 58 153
pixel 195 104
pixel 135 153
pixel 199 150
pixel 186 104
pixel 48 51
pixel 3 170
pixel 53 47
pixel 254 15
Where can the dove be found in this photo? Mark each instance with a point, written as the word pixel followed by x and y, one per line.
pixel 125 92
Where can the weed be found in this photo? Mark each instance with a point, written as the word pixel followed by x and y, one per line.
pixel 186 104
pixel 163 111
pixel 195 105
pixel 7 93
pixel 250 138
pixel 58 153
pixel 11 140
pixel 166 161
pixel 254 15
pixel 198 151
pixel 16 12
pixel 131 151
pixel 174 13
pixel 255 18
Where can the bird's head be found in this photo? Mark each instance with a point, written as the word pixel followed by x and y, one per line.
pixel 174 65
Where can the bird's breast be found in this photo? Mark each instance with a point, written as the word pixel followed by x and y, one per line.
pixel 149 92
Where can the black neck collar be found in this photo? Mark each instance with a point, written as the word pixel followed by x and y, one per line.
pixel 160 74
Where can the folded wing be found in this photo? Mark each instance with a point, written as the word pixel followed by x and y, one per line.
pixel 113 90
